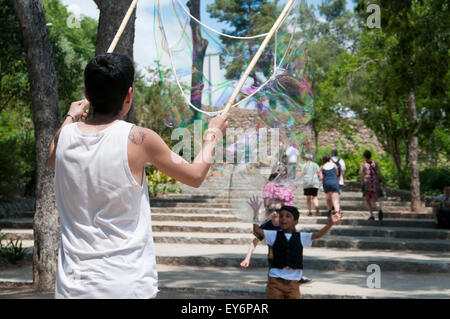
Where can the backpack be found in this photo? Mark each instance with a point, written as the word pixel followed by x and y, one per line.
pixel 338 166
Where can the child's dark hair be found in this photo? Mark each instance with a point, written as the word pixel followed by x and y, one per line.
pixel 326 158
pixel 293 210
pixel 107 79
pixel 367 154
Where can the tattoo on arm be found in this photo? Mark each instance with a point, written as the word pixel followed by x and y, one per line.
pixel 137 137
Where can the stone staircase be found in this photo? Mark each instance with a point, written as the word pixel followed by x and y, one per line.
pixel 197 234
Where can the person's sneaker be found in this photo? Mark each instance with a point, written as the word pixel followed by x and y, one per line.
pixel 305 281
pixel 371 218
pixel 380 215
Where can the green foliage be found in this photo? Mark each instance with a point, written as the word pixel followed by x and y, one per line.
pixel 246 17
pixel 154 99
pixel 12 252
pixel 17 153
pixel 73 47
pixel 159 183
pixel 14 87
pixel 434 179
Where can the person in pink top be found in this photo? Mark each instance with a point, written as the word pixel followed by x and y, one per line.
pixel 279 188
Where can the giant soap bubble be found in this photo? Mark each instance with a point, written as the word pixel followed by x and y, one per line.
pixel 277 92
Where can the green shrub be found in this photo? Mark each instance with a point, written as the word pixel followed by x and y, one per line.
pixel 433 180
pixel 11 252
pixel 17 156
pixel 159 183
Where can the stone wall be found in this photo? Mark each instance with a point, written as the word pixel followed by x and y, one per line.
pixel 16 208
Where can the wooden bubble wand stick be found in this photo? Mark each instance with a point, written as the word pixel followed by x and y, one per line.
pixel 258 54
pixel 122 26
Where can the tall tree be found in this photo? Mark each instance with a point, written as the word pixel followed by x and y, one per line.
pixel 420 27
pixel 199 46
pixel 330 39
pixel 112 13
pixel 246 18
pixel 44 103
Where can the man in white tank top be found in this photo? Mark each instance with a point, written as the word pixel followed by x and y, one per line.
pixel 106 248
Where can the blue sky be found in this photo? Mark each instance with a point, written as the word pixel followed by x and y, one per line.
pixel 144 43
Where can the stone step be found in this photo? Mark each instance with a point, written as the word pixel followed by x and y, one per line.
pixel 230 211
pixel 356 231
pixel 167 202
pixel 192 282
pixel 360 211
pixel 397 222
pixel 328 241
pixel 204 255
pixel 414 223
pixel 17 234
pixel 244 228
pixel 194 217
pixel 315 258
pixel 27 223
pixel 247 193
pixel 16 223
pixel 232 282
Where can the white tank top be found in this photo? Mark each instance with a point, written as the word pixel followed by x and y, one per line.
pixel 106 248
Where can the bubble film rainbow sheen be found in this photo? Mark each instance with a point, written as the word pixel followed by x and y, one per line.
pixel 278 91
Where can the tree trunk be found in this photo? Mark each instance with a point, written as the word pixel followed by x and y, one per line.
pixel 44 104
pixel 199 46
pixel 413 154
pixel 112 13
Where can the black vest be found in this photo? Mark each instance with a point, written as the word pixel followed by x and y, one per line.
pixel 288 253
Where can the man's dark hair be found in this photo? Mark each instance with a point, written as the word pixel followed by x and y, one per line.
pixel 367 155
pixel 107 79
pixel 334 153
pixel 293 210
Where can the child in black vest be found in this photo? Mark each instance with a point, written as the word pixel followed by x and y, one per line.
pixel 287 264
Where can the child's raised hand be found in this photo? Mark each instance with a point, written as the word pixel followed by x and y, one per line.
pixel 245 263
pixel 254 203
pixel 336 218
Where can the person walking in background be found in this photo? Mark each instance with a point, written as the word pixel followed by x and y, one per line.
pixel 328 175
pixel 310 172
pixel 292 154
pixel 370 175
pixel 278 187
pixel 340 163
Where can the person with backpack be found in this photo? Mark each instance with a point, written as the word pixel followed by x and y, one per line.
pixel 370 177
pixel 340 163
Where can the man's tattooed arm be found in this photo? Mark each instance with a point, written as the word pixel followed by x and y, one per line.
pixel 137 137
